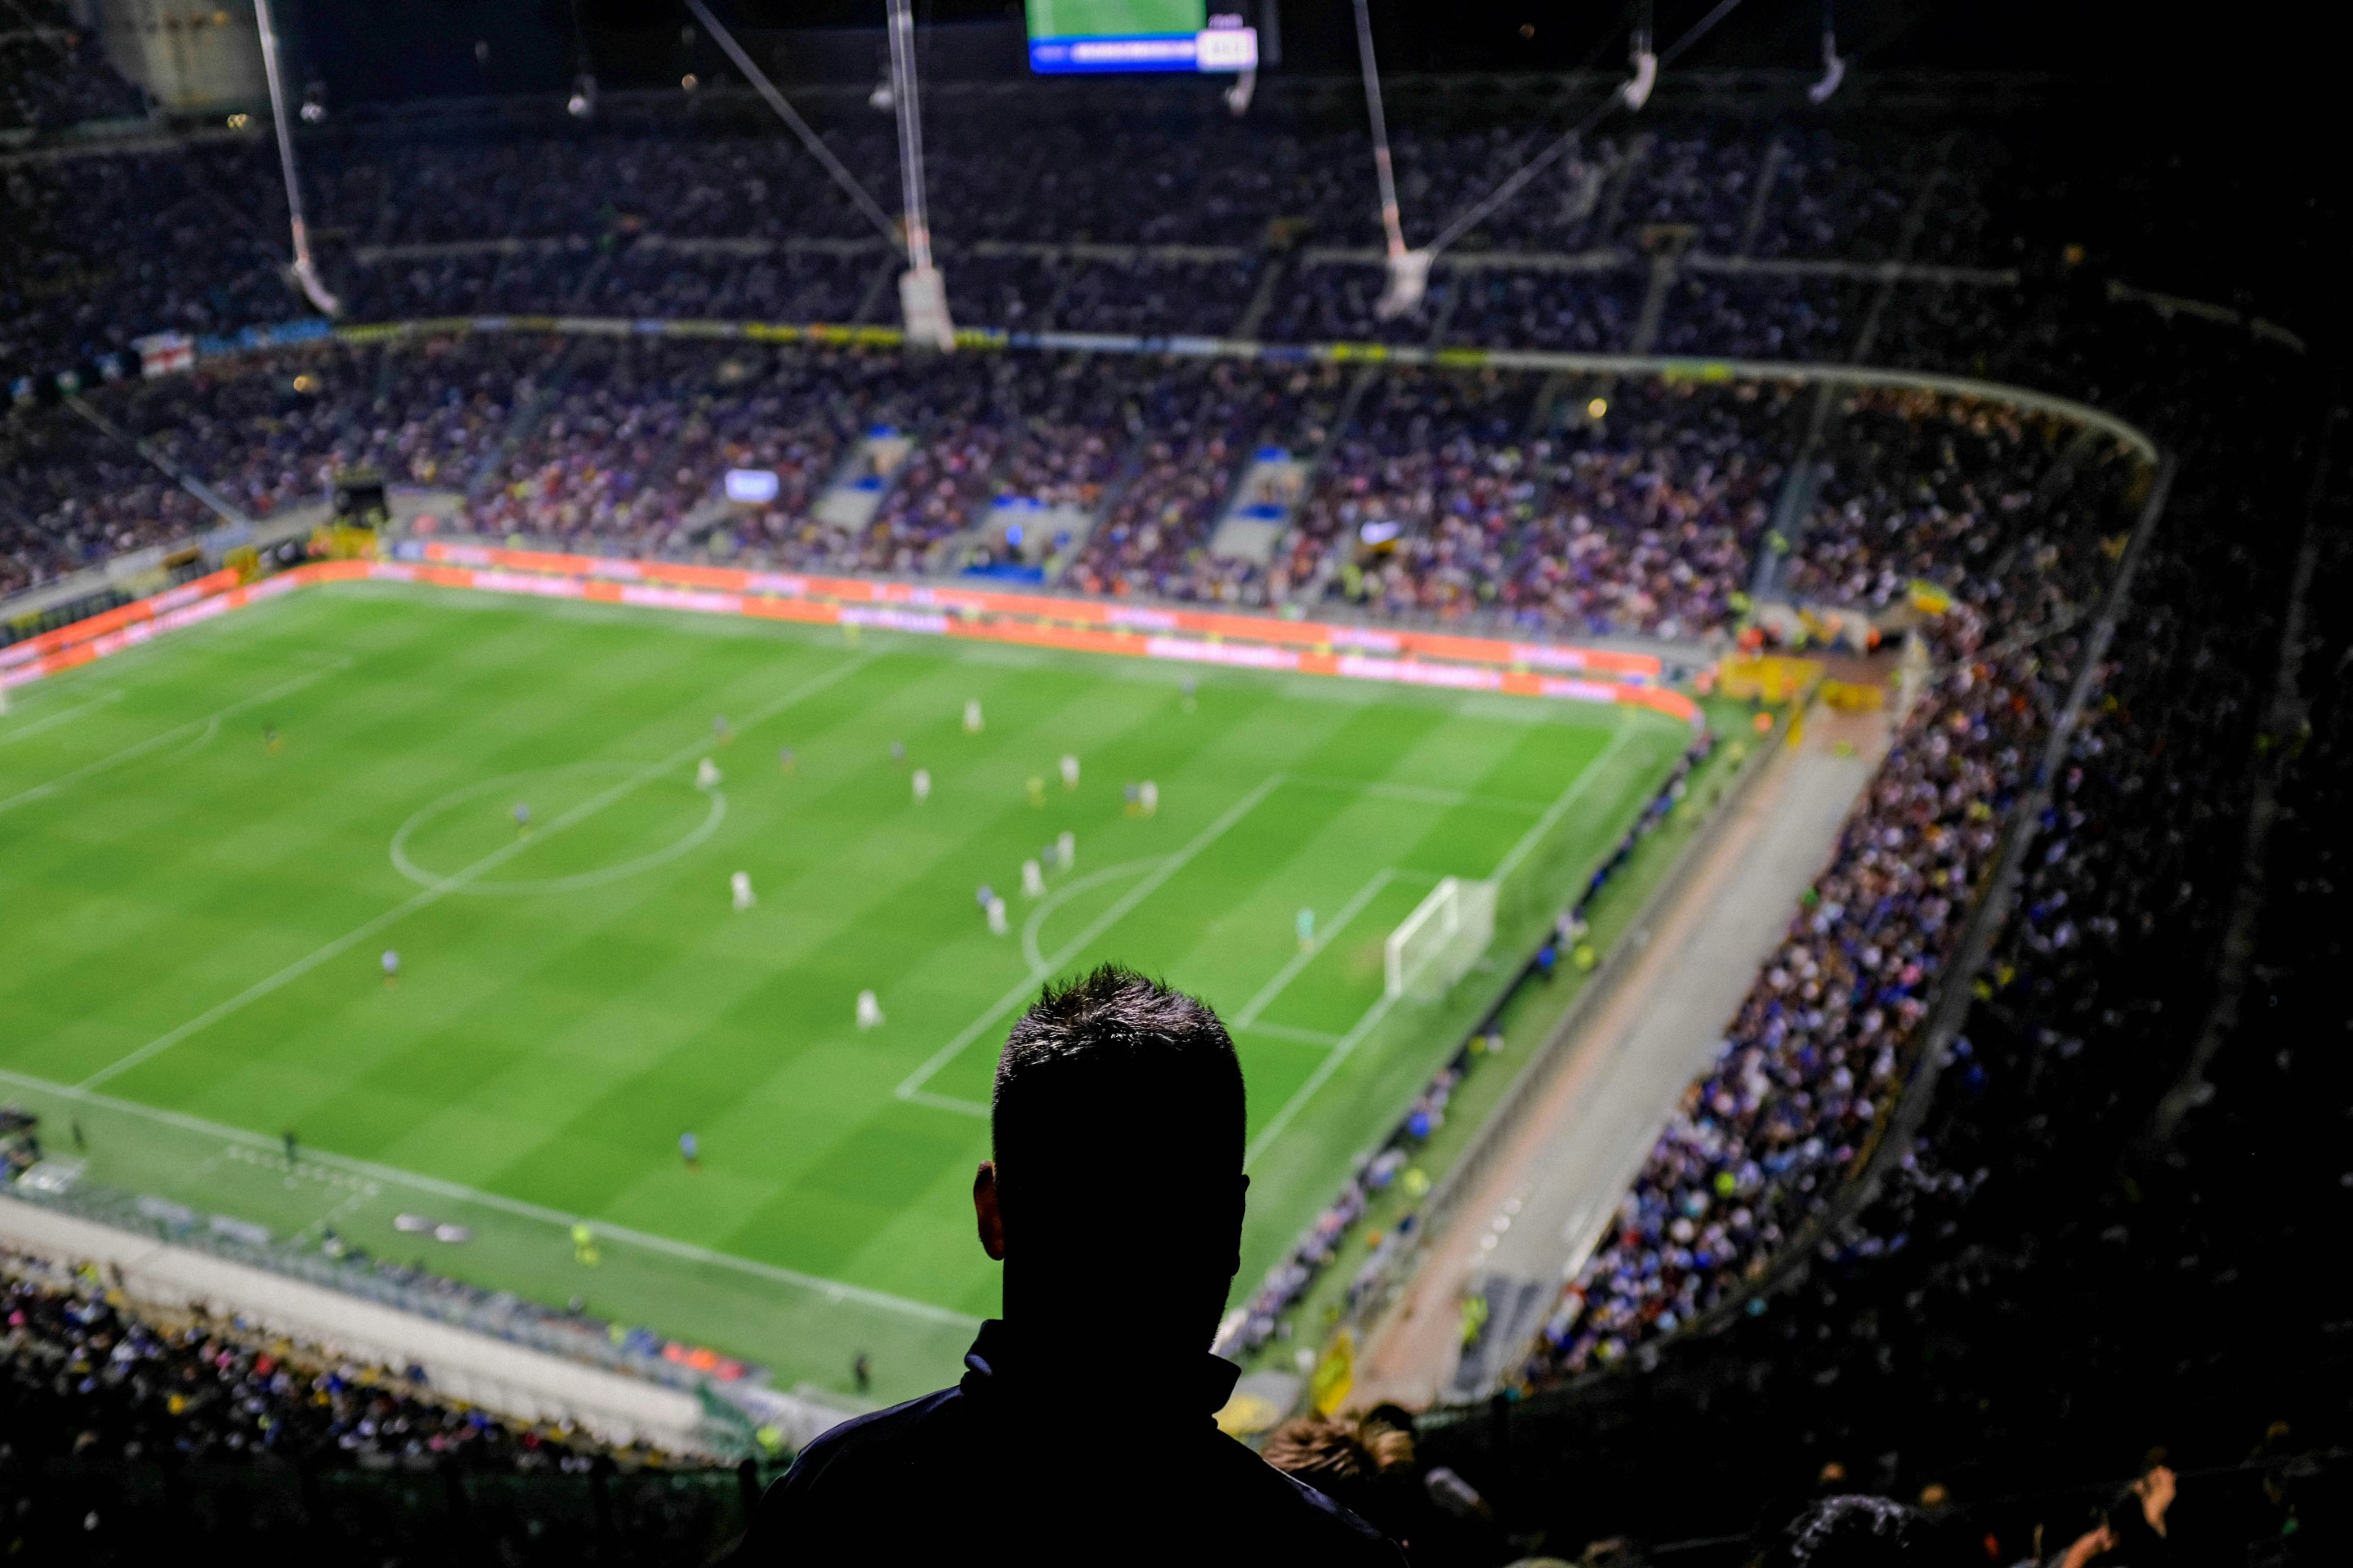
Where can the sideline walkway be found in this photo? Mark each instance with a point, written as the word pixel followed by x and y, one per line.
pixel 1545 1204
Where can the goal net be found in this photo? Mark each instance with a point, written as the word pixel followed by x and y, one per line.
pixel 1440 941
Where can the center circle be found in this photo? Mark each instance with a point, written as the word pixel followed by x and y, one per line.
pixel 596 812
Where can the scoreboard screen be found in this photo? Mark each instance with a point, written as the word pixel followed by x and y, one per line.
pixel 1088 36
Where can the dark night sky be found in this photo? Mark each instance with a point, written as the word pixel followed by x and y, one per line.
pixel 389 49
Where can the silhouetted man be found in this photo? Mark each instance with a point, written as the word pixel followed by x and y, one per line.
pixel 1082 1431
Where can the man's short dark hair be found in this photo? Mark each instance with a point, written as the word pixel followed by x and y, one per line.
pixel 1110 1071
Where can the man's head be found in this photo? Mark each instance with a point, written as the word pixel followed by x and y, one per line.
pixel 1117 1129
pixel 1345 1458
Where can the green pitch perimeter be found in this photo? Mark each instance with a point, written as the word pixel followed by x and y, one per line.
pixel 195 921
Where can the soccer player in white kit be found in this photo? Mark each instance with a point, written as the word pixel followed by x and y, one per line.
pixel 973 722
pixel 1070 772
pixel 923 785
pixel 740 885
pixel 997 923
pixel 870 1011
pixel 1033 881
pixel 706 775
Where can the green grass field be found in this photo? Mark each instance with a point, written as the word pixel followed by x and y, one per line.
pixel 190 962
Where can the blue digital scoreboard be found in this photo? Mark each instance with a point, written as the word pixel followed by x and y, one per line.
pixel 1085 36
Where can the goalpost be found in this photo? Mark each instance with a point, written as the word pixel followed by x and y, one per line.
pixel 1438 942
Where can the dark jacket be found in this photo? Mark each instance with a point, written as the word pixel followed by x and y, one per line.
pixel 1026 1461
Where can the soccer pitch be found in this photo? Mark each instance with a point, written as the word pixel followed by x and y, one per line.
pixel 196 913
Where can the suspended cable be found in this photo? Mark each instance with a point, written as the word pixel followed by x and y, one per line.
pixel 800 127
pixel 1381 165
pixel 1642 60
pixel 1480 210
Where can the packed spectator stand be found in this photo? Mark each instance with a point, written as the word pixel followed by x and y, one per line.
pixel 54 73
pixel 125 1434
pixel 2093 1240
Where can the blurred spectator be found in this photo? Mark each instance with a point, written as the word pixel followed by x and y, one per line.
pixel 85 1375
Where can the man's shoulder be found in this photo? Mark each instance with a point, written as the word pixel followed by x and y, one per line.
pixel 917 1424
pixel 824 1502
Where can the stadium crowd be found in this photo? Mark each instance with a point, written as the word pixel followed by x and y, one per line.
pixel 127 1437
pixel 1495 498
pixel 1824 1037
pixel 2095 1234
pixel 54 73
pixel 1571 505
pixel 700 211
pixel 88 1375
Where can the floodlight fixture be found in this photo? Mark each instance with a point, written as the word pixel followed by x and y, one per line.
pixel 1644 60
pixel 922 293
pixel 1833 68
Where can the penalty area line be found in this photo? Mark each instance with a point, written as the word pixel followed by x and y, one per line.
pixel 454 882
pixel 1333 1058
pixel 1306 954
pixel 947 1103
pixel 1559 808
pixel 1348 1045
pixel 913 1082
pixel 833 1289
pixel 157 742
pixel 63 716
pixel 1284 1032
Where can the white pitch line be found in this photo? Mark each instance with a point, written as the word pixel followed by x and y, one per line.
pixel 1063 894
pixel 456 1192
pixel 156 742
pixel 1306 954
pixel 1421 794
pixel 1127 901
pixel 947 1103
pixel 1380 1009
pixel 62 715
pixel 1284 1032
pixel 1315 1080
pixel 453 882
pixel 1558 809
